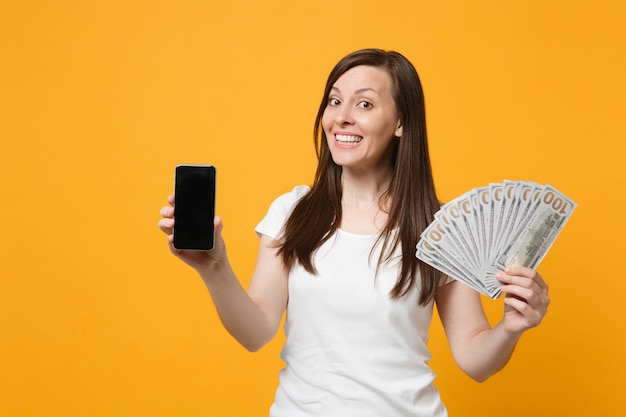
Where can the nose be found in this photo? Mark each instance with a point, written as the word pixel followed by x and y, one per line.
pixel 344 116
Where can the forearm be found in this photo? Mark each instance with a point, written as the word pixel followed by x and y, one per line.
pixel 252 317
pixel 242 317
pixel 487 352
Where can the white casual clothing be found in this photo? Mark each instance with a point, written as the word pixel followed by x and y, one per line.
pixel 351 350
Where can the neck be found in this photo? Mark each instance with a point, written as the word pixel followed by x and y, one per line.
pixel 363 210
pixel 362 189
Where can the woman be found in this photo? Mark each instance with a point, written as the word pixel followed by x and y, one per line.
pixel 338 257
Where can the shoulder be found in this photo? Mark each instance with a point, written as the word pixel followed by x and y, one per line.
pixel 279 210
pixel 289 199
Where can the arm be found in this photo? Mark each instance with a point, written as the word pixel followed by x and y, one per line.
pixel 251 317
pixel 479 349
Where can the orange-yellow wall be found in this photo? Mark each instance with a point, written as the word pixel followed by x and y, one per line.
pixel 99 100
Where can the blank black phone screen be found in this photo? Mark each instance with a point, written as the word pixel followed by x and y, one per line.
pixel 194 207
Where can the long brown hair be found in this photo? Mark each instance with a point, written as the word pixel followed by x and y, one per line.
pixel 316 217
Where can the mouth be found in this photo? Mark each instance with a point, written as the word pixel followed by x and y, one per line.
pixel 348 139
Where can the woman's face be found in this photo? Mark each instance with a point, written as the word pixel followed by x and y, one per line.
pixel 360 120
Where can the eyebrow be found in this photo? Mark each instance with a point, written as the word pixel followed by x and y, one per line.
pixel 359 91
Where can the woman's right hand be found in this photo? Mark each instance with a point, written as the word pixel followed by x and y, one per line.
pixel 199 260
pixel 252 316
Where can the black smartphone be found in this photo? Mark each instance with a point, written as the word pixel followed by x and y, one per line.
pixel 194 207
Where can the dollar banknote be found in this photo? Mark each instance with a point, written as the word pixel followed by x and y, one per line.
pixel 536 233
pixel 489 228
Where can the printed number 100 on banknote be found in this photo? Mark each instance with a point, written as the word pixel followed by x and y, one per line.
pixel 492 227
pixel 535 235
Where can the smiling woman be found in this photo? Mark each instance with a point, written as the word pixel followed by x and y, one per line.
pixel 100 100
pixel 361 119
pixel 338 257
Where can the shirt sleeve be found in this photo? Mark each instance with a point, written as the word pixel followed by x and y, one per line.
pixel 280 209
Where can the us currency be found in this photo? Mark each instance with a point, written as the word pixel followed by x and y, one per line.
pixel 509 210
pixel 463 211
pixel 440 239
pixel 529 195
pixel 534 237
pixel 491 227
pixel 432 257
pixel 496 192
pixel 449 217
pixel 483 197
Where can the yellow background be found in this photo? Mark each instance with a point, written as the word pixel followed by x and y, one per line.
pixel 99 100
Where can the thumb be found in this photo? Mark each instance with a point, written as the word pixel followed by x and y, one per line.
pixel 218 224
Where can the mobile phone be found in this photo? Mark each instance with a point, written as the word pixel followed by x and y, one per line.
pixel 194 207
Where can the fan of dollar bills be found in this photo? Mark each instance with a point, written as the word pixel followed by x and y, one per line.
pixel 491 227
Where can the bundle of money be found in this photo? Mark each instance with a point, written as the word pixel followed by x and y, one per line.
pixel 491 227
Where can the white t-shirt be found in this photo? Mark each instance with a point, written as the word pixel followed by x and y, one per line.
pixel 351 350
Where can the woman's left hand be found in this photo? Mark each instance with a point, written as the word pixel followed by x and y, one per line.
pixel 526 298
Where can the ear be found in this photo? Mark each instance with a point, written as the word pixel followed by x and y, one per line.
pixel 398 132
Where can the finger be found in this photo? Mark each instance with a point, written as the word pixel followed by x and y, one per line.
pixel 170 200
pixel 170 243
pixel 532 316
pixel 538 305
pixel 166 225
pixel 541 282
pixel 511 279
pixel 528 273
pixel 218 224
pixel 535 296
pixel 523 294
pixel 167 212
pixel 517 303
pixel 520 271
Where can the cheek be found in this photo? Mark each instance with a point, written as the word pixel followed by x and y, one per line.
pixel 327 122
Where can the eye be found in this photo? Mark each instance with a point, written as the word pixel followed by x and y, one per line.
pixel 365 104
pixel 333 101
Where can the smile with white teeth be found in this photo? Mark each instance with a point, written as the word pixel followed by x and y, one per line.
pixel 348 139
